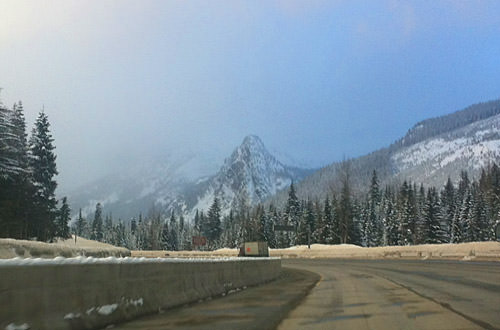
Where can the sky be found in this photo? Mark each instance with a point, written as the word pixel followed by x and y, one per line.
pixel 318 81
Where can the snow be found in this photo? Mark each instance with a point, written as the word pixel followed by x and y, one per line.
pixel 136 303
pixel 13 326
pixel 431 161
pixel 462 251
pixel 71 316
pixel 111 260
pixel 10 248
pixel 107 309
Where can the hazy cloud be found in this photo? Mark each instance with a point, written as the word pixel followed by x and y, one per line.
pixel 124 81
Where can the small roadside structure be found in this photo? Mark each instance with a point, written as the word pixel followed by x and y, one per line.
pixel 254 249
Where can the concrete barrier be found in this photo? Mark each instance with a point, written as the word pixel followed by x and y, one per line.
pixel 93 295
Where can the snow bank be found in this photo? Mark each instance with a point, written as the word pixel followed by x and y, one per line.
pixel 12 248
pixel 116 260
pixel 462 251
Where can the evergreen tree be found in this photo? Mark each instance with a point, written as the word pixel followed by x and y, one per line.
pixel 373 226
pixel 269 233
pixel 390 219
pixel 447 210
pixel 347 229
pixel 43 166
pixel 81 225
pixel 214 223
pixel 120 236
pixel 173 235
pixel 20 138
pixel 334 232
pixel 292 212
pixel 97 224
pixel 62 220
pixel 133 225
pixel 15 187
pixel 203 224
pixel 480 226
pixel 407 213
pixel 197 224
pixel 229 231
pixel 461 230
pixel 282 237
pixel 420 220
pixel 165 236
pixel 325 224
pixel 182 234
pixel 109 234
pixel 307 224
pixel 432 232
pixel 8 163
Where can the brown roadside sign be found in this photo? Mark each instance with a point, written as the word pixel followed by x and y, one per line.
pixel 199 240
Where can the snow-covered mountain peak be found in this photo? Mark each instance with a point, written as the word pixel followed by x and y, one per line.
pixel 252 155
pixel 250 173
pixel 253 142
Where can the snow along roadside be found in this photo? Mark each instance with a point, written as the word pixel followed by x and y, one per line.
pixel 11 248
pixel 114 260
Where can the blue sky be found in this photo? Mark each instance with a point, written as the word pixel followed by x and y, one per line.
pixel 316 80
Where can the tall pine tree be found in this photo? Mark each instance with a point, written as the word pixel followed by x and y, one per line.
pixel 43 166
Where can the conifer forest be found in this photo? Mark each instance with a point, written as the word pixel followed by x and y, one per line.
pixel 405 214
pixel 28 205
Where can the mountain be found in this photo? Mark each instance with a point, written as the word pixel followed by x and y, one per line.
pixel 430 152
pixel 250 175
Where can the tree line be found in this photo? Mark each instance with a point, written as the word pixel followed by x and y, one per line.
pixel 404 214
pixel 28 205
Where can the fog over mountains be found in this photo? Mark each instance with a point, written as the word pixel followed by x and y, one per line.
pixel 249 175
pixel 430 152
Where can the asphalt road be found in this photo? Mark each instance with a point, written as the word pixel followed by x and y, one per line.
pixel 382 294
pixel 357 294
pixel 259 308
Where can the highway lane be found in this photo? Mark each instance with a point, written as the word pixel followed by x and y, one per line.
pixel 384 294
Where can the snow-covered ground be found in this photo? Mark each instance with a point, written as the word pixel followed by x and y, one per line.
pixel 12 248
pixel 463 251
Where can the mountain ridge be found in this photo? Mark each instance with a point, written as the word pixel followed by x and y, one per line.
pixel 470 135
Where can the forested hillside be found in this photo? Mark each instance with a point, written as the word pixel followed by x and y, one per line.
pixel 429 153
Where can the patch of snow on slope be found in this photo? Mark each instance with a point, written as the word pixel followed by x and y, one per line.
pixel 440 153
